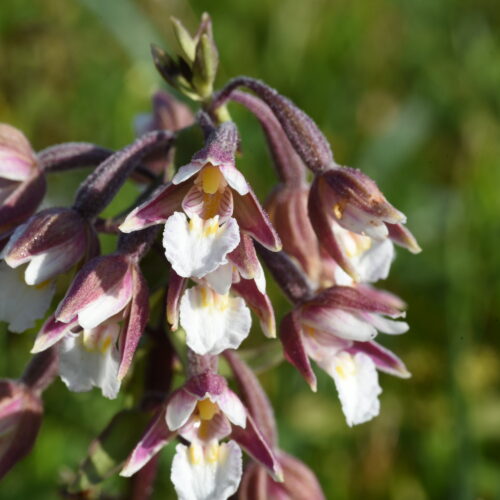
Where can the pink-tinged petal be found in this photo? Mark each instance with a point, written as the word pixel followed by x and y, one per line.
pixel 386 325
pixel 338 322
pixel 176 287
pixel 235 179
pixel 259 303
pixel 110 276
pixel 253 220
pixel 217 428
pixel 252 441
pixel 210 473
pixel 154 439
pixel 206 205
pixel 385 302
pixel 180 407
pixel 244 257
pixel 322 346
pixel 51 332
pixel 323 226
pixel 21 304
pixel 17 159
pixel 136 322
pixel 403 237
pixel 198 247
pixel 294 350
pixel 385 360
pixel 22 202
pixel 232 407
pixel 186 172
pixel 164 202
pixel 206 384
pixel 46 230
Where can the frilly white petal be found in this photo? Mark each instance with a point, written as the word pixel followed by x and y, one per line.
pixel 213 322
pixel 375 263
pixel 213 473
pixel 198 247
pixel 356 380
pixel 20 304
pixel 185 172
pixel 82 368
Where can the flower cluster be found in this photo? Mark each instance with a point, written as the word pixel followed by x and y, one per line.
pixel 325 243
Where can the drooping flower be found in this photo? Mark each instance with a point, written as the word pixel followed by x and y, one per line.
pixel 22 182
pixel 217 204
pixel 336 329
pixel 98 324
pixel 204 411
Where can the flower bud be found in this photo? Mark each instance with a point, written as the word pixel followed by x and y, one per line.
pixel 51 242
pixel 20 419
pixel 22 183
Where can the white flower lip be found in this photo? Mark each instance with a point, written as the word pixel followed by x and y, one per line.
pixel 213 322
pixel 198 247
pixel 207 473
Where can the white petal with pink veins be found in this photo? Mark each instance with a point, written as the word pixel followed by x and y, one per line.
pixel 198 247
pixel 212 472
pixel 213 322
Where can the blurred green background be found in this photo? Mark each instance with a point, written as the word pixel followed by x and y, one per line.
pixel 407 90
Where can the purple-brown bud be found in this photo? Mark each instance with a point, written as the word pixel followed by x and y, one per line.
pixel 20 419
pixel 22 183
pixel 51 243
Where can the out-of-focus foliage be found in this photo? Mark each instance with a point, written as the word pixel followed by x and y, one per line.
pixel 407 90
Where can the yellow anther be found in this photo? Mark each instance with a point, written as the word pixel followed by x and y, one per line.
pixel 42 285
pixel 212 452
pixel 195 454
pixel 211 178
pixel 221 302
pixel 340 371
pixel 346 366
pixel 207 409
pixel 105 344
pixel 338 211
pixel 89 340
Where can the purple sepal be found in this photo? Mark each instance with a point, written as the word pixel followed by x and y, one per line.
pixel 287 209
pixel 260 304
pixel 136 321
pixel 244 257
pixel 254 443
pixel 153 440
pixel 176 287
pixel 164 202
pixel 206 383
pixel 20 419
pixel 294 349
pixel 51 332
pixel 22 202
pixel 403 237
pixel 220 147
pixel 252 218
pixel 98 276
pixel 385 360
pixel 254 397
